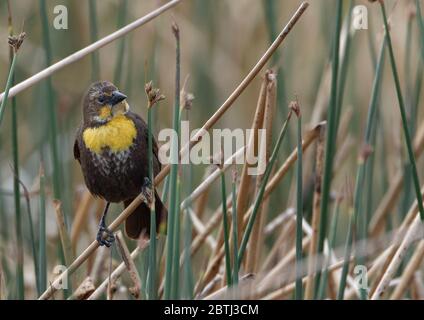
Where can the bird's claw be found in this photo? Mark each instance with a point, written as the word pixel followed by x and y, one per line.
pixel 105 237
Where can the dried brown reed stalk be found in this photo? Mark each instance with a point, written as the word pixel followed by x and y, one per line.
pixel 257 237
pixel 80 218
pixel 116 273
pixel 395 245
pixel 129 265
pixel 226 293
pixel 63 232
pixel 85 289
pixel 415 231
pixel 243 195
pixel 409 272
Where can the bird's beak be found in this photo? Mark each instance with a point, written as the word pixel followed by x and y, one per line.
pixel 119 105
pixel 117 97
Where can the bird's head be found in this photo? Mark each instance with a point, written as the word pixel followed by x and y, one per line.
pixel 102 102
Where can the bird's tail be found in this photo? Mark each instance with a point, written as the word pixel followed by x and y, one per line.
pixel 139 220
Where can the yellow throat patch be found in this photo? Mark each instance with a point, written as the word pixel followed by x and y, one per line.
pixel 117 134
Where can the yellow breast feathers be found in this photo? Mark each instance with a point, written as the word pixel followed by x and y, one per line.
pixel 117 134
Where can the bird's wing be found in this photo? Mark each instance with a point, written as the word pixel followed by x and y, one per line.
pixel 76 147
pixel 140 123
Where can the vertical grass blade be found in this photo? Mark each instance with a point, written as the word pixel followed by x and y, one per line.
pixel 176 255
pixel 299 206
pixel 51 110
pixel 331 133
pixel 20 280
pixel 333 234
pixel 95 68
pixel 152 247
pixel 42 255
pixel 9 84
pixel 122 16
pixel 234 228
pixel 173 206
pixel 403 115
pixel 17 201
pixel 226 230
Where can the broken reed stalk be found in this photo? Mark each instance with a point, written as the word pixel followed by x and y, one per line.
pixel 261 192
pixel 309 289
pixel 256 244
pixel 129 265
pixel 115 275
pixel 251 150
pixel 195 139
pixel 80 218
pixel 64 236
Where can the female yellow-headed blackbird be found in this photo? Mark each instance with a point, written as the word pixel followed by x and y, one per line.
pixel 111 147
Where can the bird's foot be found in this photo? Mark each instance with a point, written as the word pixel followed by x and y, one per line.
pixel 105 237
pixel 147 191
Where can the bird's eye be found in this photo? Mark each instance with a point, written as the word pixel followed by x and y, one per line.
pixel 101 99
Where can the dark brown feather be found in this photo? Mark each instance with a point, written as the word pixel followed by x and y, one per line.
pixel 118 178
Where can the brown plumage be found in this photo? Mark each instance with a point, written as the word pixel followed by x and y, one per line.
pixel 116 175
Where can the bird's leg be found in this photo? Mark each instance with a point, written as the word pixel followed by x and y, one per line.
pixel 109 238
pixel 147 191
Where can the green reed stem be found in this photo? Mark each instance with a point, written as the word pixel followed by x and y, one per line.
pixel 17 198
pixel 299 212
pixel 348 251
pixel 344 64
pixel 177 238
pixel 152 248
pixel 359 218
pixel 331 135
pixel 235 232
pixel 94 35
pixel 42 256
pixel 173 205
pixel 51 110
pixel 226 230
pixel 420 27
pixel 332 236
pixel 8 86
pixel 403 115
pixel 122 16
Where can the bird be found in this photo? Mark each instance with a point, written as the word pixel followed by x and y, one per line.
pixel 111 146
